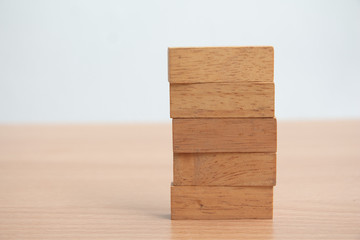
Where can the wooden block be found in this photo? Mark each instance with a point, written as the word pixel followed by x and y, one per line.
pixel 225 169
pixel 221 64
pixel 213 100
pixel 224 135
pixel 210 202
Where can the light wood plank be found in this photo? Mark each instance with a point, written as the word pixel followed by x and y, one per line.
pixel 224 135
pixel 220 203
pixel 225 169
pixel 221 100
pixel 111 181
pixel 221 64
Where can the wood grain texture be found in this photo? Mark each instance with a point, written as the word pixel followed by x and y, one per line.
pixel 221 100
pixel 225 169
pixel 91 182
pixel 224 135
pixel 221 64
pixel 221 203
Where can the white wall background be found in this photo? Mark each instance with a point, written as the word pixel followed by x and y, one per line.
pixel 106 61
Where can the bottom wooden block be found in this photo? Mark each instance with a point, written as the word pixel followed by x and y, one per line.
pixel 220 202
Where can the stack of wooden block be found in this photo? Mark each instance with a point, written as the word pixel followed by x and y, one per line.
pixel 224 132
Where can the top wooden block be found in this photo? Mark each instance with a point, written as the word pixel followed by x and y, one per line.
pixel 221 64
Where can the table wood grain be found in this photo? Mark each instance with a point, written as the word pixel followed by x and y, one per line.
pixel 113 182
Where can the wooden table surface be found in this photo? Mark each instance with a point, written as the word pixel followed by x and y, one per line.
pixel 113 182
